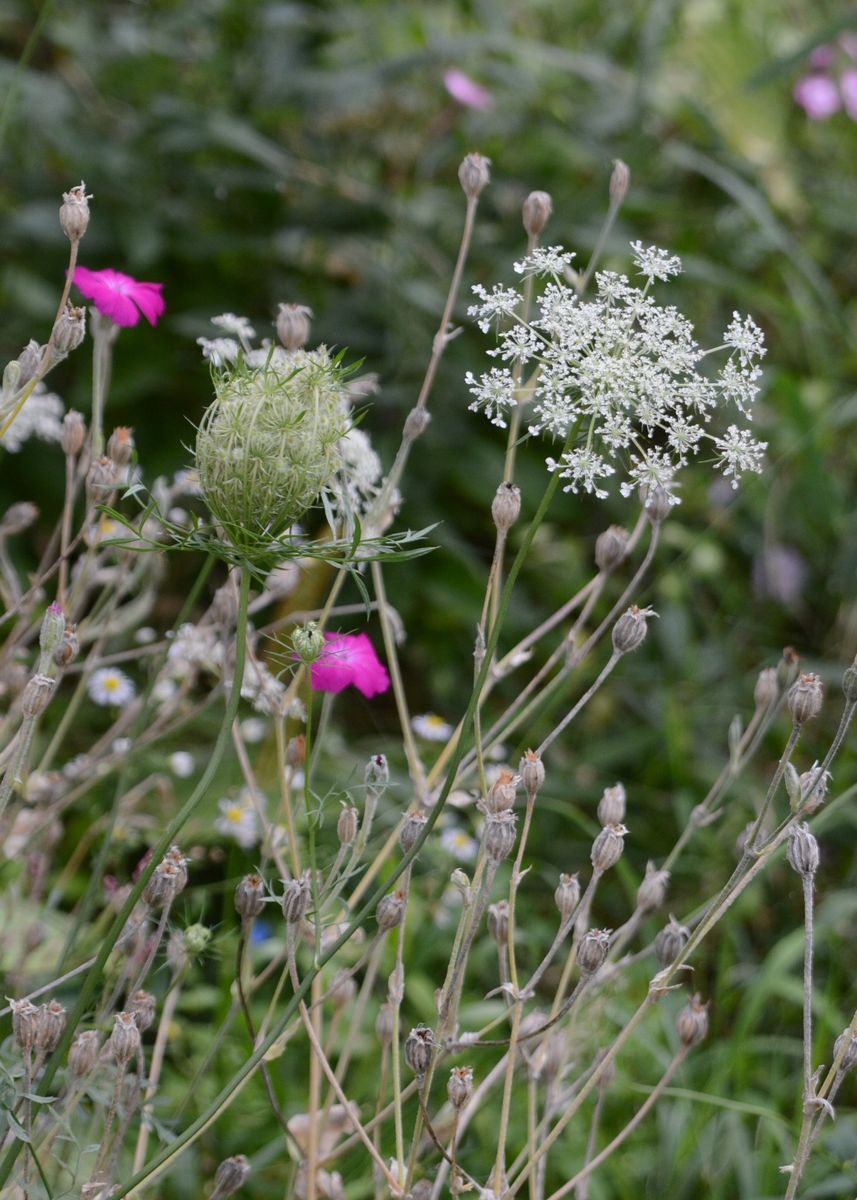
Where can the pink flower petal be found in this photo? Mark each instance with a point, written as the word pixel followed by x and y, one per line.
pixel 349 659
pixel 148 298
pixel 466 91
pixel 818 96
pixel 120 297
pixel 848 88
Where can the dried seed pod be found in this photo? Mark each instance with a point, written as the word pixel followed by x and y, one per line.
pixel 567 895
pixel 500 835
pixel 25 1023
pixel 611 546
pixel 767 689
pixel 17 518
pixel 230 1176
pixel 813 785
pixel 692 1022
pixel 120 445
pixel 474 174
pixel 50 1023
pixel 506 506
pixel 592 950
pixel 652 892
pixel 293 327
pixel 29 361
pixel 608 846
pixel 390 911
pixel 611 806
pixel 69 330
pixel 74 212
pixel 501 794
pixel 460 1086
pixel 805 697
pixel 83 1053
pixel 532 773
pixel 384 1024
pixel 412 826
pixel 296 898
pixel 620 181
pixel 342 990
pixel 163 885
pixel 124 1041
pixel 846 1041
pixel 37 694
pixel 802 852
pixel 629 632
pixel 73 433
pixel 670 942
pixel 346 826
pixel 656 502
pixel 419 1049
pixel 536 212
pixel 498 922
pixel 250 897
pixel 142 1004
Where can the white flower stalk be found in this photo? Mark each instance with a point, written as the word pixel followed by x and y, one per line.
pixel 618 377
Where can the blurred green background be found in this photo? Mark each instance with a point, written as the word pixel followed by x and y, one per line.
pixel 246 152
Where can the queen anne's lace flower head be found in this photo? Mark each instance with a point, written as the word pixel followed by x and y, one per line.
pixel 620 379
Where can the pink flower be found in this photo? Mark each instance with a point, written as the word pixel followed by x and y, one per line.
pixel 822 57
pixel 463 89
pixel 848 87
pixel 119 296
pixel 818 96
pixel 349 658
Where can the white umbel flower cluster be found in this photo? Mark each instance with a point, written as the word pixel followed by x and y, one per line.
pixel 618 378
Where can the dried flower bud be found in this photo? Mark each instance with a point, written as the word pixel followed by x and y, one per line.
pixel 506 506
pixel 179 861
pixel 849 683
pixel 250 897
pixel 611 806
pixel 83 1053
pixel 390 911
pixel 74 212
pixel 567 895
pixel 50 1023
pixel 69 330
pixel 501 794
pixel 412 826
pixel 460 880
pixel 652 892
pixel 67 651
pixel 766 690
pixel 384 1024
pixel 308 642
pixel 804 698
pixel 788 667
pixel 142 1005
pixel 500 835
pixel 611 546
pixel 120 445
pixel 536 212
pixel 656 502
pixel 532 773
pixel 17 518
pixel 670 942
pixel 100 479
pixel 342 990
pixel 846 1044
pixel 293 325
pixel 419 1049
pixel 415 423
pixel 608 846
pixel 592 950
pixel 377 774
pixel 474 174
pixel 124 1040
pixel 802 852
pixel 163 885
pixel 29 361
pixel 460 1086
pixel 25 1023
pixel 296 898
pixel 230 1176
pixel 498 922
pixel 629 632
pixel 620 180
pixel 346 826
pixel 37 695
pixel 813 786
pixel 692 1022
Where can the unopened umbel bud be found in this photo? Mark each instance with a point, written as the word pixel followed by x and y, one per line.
pixel 536 212
pixel 608 846
pixel 74 212
pixel 656 502
pixel 293 325
pixel 620 179
pixel 120 445
pixel 415 423
pixel 69 330
pixel 460 1086
pixel 567 895
pixel 25 1027
pixel 802 852
pixel 611 546
pixel 250 897
pixel 812 791
pixel 52 629
pixel 670 942
pixel 506 506
pixel 474 174
pixel 346 826
pixel 124 1040
pixel 419 1049
pixel 73 433
pixel 653 890
pixel 500 835
pixel 692 1022
pixel 804 698
pixel 296 897
pixel 230 1176
pixel 390 910
pixel 532 772
pixel 611 806
pixel 592 950
pixel 629 632
pixel 50 1022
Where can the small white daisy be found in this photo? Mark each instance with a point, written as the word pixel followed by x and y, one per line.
pixel 110 687
pixel 238 820
pixel 432 727
pixel 459 844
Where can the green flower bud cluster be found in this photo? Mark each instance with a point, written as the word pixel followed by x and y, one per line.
pixel 267 447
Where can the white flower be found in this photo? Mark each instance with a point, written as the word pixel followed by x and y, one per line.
pixel 238 819
pixel 109 686
pixel 459 844
pixel 745 336
pixel 545 260
pixel 496 304
pixel 182 764
pixel 253 729
pixel 432 727
pixel 655 263
pixel 239 327
pixel 164 690
pixel 739 452
pixel 40 417
pixel 358 481
pixel 260 687
pixel 494 392
pixel 121 745
pixel 145 635
pixel 582 467
pixel 219 351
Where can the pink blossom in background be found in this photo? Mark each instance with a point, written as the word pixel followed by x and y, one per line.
pixel 463 89
pixel 848 88
pixel 848 42
pixel 120 297
pixel 349 659
pixel 818 96
pixel 822 57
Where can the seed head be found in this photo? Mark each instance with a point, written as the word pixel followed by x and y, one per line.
pixel 250 897
pixel 532 773
pixel 802 852
pixel 506 506
pixel 608 846
pixel 848 1040
pixel 83 1053
pixel 652 892
pixel 419 1049
pixel 230 1176
pixel 73 433
pixel 656 503
pixel 390 911
pixel 592 950
pixel 37 695
pixel 142 1005
pixel 69 330
pixel 50 1022
pixel 346 826
pixel 813 785
pixel 296 897
pixel 29 361
pixel 611 546
pixel 25 1023
pixel 629 632
pixel 120 445
pixel 100 479
pixel 500 834
pixel 670 942
pixel 124 1040
pixel 474 174
pixel 805 697
pixel 498 922
pixel 767 688
pixel 611 806
pixel 692 1022
pixel 293 325
pixel 567 895
pixel 164 884
pixel 460 1086
pixel 501 794
pixel 412 826
pixel 74 212
pixel 536 212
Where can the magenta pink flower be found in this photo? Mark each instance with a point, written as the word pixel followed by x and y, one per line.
pixel 463 89
pixel 848 87
pixel 349 658
pixel 818 96
pixel 120 297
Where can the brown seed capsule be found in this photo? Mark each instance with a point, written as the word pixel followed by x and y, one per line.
pixel 802 852
pixel 142 1005
pixel 18 517
pixel 25 1023
pixel 670 942
pixel 384 1024
pixel 50 1022
pixel 506 506
pixel 766 689
pixel 250 897
pixel 592 950
pixel 124 1040
pixel 230 1176
pixel 847 1042
pixel 83 1054
pixel 608 846
pixel 498 922
pixel 460 1086
pixel 120 445
pixel 293 325
pixel 532 773
pixel 652 892
pixel 412 826
pixel 419 1048
pixel 805 697
pixel 474 174
pixel 536 212
pixel 68 650
pixel 100 479
pixel 630 630
pixel 74 212
pixel 390 911
pixel 501 794
pixel 73 433
pixel 346 826
pixel 692 1022
pixel 812 789
pixel 620 180
pixel 611 806
pixel 611 546
pixel 500 835
pixel 29 361
pixel 567 895
pixel 37 695
pixel 656 503
pixel 69 330
pixel 163 886
pixel 296 898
